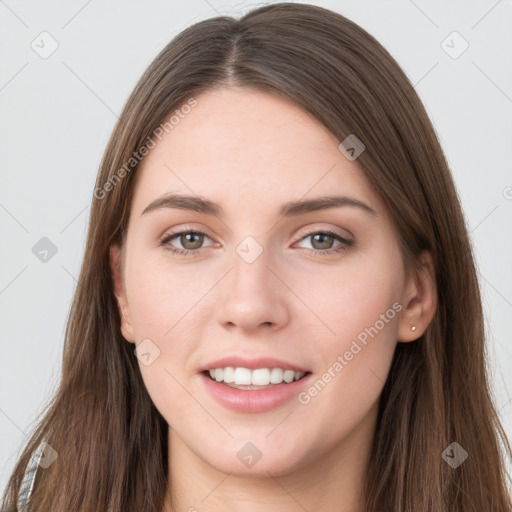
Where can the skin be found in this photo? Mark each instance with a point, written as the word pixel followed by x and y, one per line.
pixel 250 152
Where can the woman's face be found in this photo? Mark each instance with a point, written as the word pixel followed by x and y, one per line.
pixel 315 290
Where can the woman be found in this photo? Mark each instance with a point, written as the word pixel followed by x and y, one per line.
pixel 278 306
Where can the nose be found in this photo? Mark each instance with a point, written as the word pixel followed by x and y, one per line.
pixel 252 296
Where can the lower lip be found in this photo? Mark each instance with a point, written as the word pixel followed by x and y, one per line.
pixel 258 400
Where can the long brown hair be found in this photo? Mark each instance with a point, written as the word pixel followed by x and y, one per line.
pixel 110 439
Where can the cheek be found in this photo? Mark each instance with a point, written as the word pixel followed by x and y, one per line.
pixel 351 297
pixel 359 309
pixel 364 339
pixel 161 295
pixel 169 393
pixel 166 308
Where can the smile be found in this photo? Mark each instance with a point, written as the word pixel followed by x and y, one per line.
pixel 274 387
pixel 261 378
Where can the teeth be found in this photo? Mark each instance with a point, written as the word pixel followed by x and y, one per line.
pixel 242 376
pixel 229 374
pixel 261 377
pixel 276 376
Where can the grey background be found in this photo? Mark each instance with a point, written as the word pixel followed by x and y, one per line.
pixel 57 113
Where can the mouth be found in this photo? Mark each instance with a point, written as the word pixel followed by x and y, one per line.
pixel 258 379
pixel 253 385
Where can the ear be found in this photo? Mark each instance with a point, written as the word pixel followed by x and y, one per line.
pixel 120 292
pixel 419 300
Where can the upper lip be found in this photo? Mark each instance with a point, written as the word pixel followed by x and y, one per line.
pixel 252 364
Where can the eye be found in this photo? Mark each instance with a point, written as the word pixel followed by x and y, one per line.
pixel 189 240
pixel 322 242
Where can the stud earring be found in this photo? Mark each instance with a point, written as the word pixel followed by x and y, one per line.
pixel 413 328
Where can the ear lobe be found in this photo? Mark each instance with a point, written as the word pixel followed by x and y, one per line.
pixel 120 293
pixel 419 300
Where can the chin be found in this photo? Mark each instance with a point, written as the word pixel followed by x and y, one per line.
pixel 256 459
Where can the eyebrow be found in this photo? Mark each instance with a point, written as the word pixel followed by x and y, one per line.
pixel 289 209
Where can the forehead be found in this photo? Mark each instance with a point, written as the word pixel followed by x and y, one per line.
pixel 243 145
pixel 243 124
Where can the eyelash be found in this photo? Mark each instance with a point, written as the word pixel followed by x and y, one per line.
pixel 345 243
